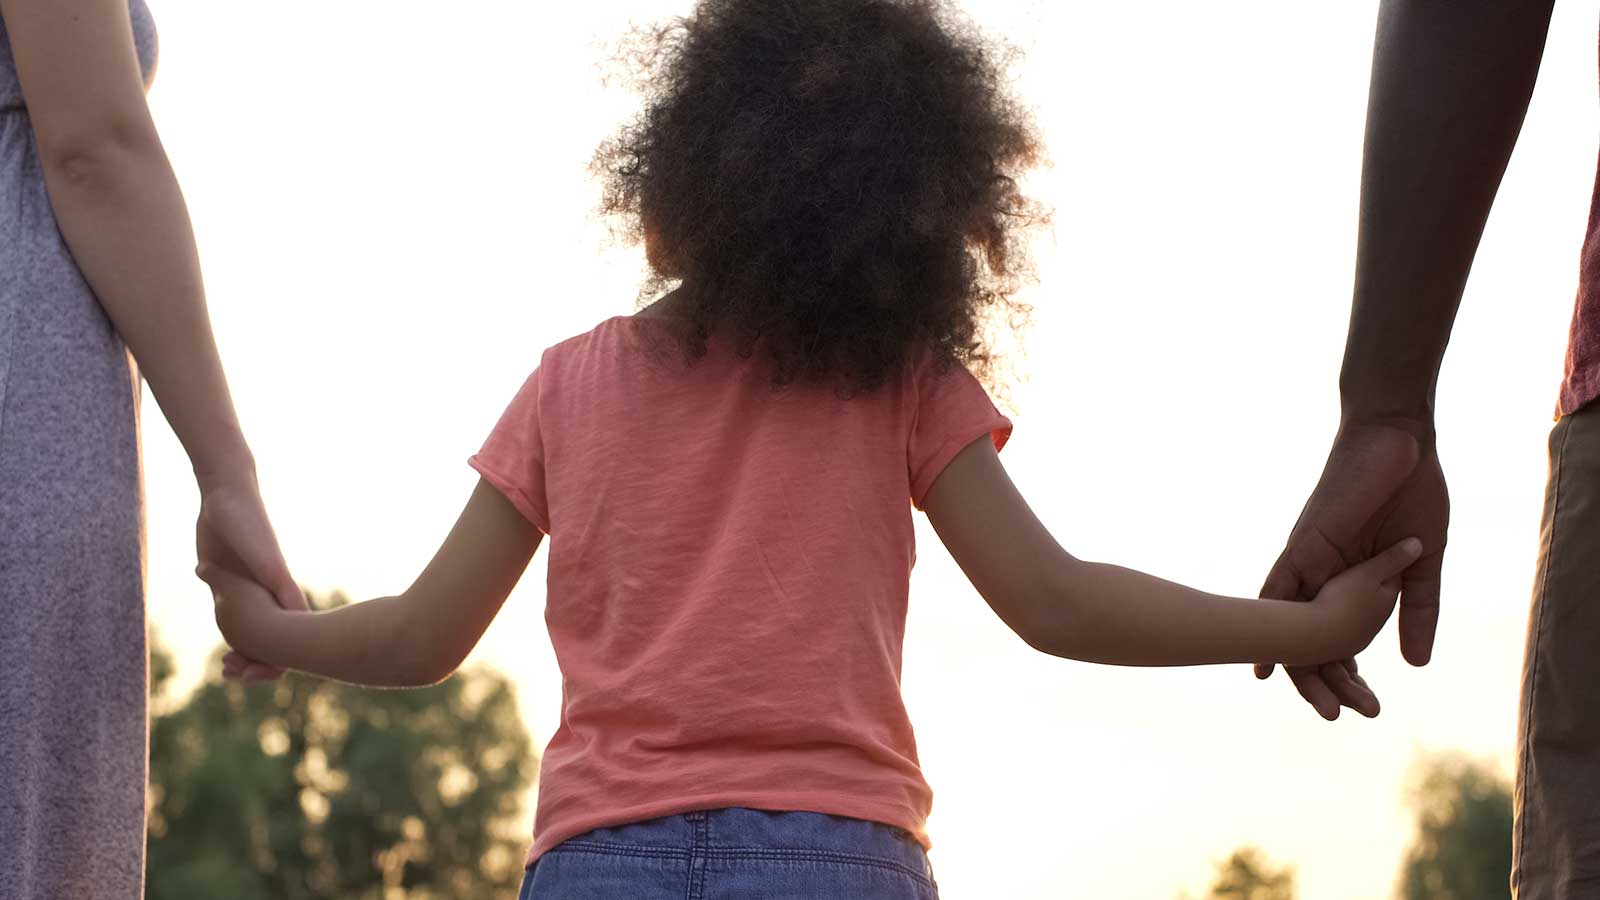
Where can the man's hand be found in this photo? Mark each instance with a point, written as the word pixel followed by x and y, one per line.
pixel 1382 484
pixel 233 534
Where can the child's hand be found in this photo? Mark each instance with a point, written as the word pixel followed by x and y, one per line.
pixel 1355 604
pixel 245 611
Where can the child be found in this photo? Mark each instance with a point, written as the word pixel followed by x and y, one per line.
pixel 727 477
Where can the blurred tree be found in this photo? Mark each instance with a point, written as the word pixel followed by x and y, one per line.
pixel 162 667
pixel 1248 875
pixel 1463 846
pixel 304 789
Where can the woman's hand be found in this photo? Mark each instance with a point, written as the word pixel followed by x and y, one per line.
pixel 1354 605
pixel 234 535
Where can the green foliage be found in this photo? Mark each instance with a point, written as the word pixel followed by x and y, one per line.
pixel 162 667
pixel 304 789
pixel 1249 875
pixel 1463 846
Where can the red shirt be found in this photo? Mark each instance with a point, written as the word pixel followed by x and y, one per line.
pixel 729 568
pixel 1582 383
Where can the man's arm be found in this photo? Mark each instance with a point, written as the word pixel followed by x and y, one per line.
pixel 1451 81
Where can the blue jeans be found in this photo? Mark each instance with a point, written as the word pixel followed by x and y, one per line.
pixel 736 854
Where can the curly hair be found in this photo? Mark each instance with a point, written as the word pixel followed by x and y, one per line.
pixel 833 181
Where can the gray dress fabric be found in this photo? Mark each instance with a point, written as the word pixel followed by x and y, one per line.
pixel 73 668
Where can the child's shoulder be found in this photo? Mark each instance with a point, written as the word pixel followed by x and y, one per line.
pixel 609 334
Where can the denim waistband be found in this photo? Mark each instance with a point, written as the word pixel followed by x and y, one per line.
pixel 739 833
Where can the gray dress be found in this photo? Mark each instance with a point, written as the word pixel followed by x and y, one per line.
pixel 73 737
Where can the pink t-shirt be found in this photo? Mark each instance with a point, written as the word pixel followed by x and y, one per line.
pixel 729 568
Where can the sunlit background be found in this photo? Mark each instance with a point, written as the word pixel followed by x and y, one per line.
pixel 395 217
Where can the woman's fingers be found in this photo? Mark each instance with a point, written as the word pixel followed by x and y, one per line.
pixel 222 580
pixel 289 594
pixel 235 532
pixel 256 671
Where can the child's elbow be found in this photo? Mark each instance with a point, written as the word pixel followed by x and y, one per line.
pixel 1040 610
pixel 1052 638
pixel 1041 620
pixel 433 669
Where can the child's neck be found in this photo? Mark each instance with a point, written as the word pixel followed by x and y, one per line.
pixel 669 305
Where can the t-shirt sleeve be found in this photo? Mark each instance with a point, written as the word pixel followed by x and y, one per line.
pixel 952 410
pixel 512 458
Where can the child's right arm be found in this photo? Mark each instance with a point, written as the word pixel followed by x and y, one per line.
pixel 1107 614
pixel 416 638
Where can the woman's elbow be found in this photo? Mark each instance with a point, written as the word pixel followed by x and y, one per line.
pixel 100 159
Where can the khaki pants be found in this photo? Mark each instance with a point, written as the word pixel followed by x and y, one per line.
pixel 1556 839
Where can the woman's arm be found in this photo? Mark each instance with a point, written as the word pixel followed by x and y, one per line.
pixel 119 208
pixel 1106 614
pixel 416 638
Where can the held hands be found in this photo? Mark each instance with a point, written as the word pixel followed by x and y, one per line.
pixel 1353 606
pixel 245 612
pixel 233 535
pixel 1382 483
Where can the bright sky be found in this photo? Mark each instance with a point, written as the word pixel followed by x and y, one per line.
pixel 395 217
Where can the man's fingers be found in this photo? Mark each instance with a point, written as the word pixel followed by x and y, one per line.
pixel 1282 582
pixel 1309 682
pixel 1350 688
pixel 1419 609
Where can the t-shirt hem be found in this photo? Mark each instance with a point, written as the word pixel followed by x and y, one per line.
pixel 998 429
pixel 516 495
pixel 893 814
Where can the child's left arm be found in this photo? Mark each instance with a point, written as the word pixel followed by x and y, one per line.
pixel 419 637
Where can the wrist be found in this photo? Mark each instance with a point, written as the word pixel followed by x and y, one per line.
pixel 256 630
pixel 1313 638
pixel 225 460
pixel 1418 424
pixel 1382 400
